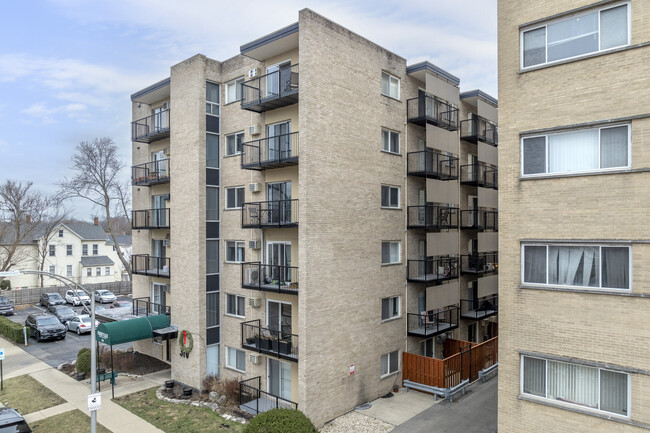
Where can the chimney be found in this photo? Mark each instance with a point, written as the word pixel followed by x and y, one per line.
pixel 96 221
pixel 29 219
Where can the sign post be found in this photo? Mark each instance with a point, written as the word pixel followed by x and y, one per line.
pixel 2 357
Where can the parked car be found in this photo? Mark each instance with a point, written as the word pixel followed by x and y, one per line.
pixel 80 324
pixel 6 306
pixel 76 297
pixel 86 309
pixel 48 299
pixel 104 296
pixel 44 326
pixel 12 422
pixel 62 312
pixel 122 304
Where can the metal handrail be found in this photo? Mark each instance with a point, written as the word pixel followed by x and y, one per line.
pixel 432 217
pixel 481 219
pixel 432 269
pixel 434 321
pixel 150 172
pixel 155 266
pixel 274 85
pixel 270 278
pixel 473 307
pixel 281 343
pixel 270 150
pixel 155 124
pixel 480 263
pixel 432 164
pixel 272 213
pixel 150 218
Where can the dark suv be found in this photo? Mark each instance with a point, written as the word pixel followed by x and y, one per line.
pixel 12 422
pixel 48 299
pixel 62 312
pixel 6 306
pixel 45 327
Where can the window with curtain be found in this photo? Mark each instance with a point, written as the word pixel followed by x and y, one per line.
pixel 235 251
pixel 389 85
pixel 212 360
pixel 390 252
pixel 576 151
pixel 234 143
pixel 234 90
pixel 235 305
pixel 236 359
pixel 390 308
pixel 576 384
pixel 592 266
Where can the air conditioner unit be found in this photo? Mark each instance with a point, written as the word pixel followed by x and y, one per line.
pixel 254 358
pixel 255 129
pixel 254 245
pixel 255 302
pixel 253 72
pixel 254 187
pixel 166 151
pixel 252 276
pixel 166 243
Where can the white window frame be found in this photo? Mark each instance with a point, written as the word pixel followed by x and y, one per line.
pixel 237 245
pixel 237 83
pixel 107 270
pixel 89 272
pixel 234 134
pixel 399 252
pixel 391 77
pixel 391 301
pixel 567 17
pixel 581 288
pixel 563 404
pixel 60 233
pixel 390 133
pixel 68 270
pixel 231 367
pixel 215 107
pixel 399 197
pixel 98 271
pixel 236 313
pixel 52 269
pixel 564 173
pixel 51 250
pixel 68 250
pixel 84 250
pixel 390 373
pixel 243 200
pixel 95 249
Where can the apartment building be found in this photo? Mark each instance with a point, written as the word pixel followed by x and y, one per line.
pixel 311 209
pixel 574 237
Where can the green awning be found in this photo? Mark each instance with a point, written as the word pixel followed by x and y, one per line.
pixel 124 331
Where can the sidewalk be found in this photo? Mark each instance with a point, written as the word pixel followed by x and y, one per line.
pixel 111 415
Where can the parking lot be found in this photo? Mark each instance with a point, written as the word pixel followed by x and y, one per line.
pixel 56 352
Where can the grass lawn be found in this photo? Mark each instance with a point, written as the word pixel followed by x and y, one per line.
pixel 27 395
pixel 74 421
pixel 171 417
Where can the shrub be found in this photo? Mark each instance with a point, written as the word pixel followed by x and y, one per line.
pixel 5 285
pixel 83 362
pixel 281 421
pixel 11 330
pixel 82 350
pixel 211 383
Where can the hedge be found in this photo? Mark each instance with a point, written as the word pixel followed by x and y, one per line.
pixel 11 330
pixel 280 421
pixel 83 362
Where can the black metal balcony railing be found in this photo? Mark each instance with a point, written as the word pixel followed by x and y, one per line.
pixel 431 323
pixel 480 263
pixel 479 174
pixel 264 214
pixel 150 173
pixel 277 342
pixel 150 219
pixel 479 129
pixel 144 264
pixel 273 90
pixel 270 278
pixel 432 217
pixel 480 219
pixel 271 152
pixel 144 307
pixel 432 270
pixel 432 110
pixel 479 308
pixel 151 128
pixel 254 401
pixel 432 165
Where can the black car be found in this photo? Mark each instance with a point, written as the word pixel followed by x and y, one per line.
pixel 62 312
pixel 6 306
pixel 48 299
pixel 45 327
pixel 12 422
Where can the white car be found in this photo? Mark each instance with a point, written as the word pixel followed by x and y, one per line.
pixel 80 324
pixel 104 296
pixel 76 297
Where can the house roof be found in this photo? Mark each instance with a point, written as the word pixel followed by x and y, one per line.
pixel 121 240
pixel 96 261
pixel 87 232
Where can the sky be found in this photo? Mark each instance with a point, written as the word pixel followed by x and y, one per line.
pixel 68 67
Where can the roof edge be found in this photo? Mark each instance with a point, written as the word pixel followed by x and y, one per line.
pixel 159 85
pixel 271 37
pixel 430 67
pixel 481 94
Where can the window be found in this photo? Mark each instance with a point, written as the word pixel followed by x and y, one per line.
pixel 390 196
pixel 234 197
pixel 233 90
pixel 95 249
pixel 234 251
pixel 235 305
pixel 212 203
pixel 389 141
pixel 212 98
pixel 68 270
pixel 234 143
pixel 84 250
pixel 389 252
pixel 212 360
pixel 212 256
pixel 98 272
pixel 575 384
pixel 575 36
pixel 579 151
pixel 52 269
pixel 89 272
pixel 236 359
pixel 107 270
pixel 60 233
pixel 593 266
pixel 389 363
pixel 389 85
pixel 52 250
pixel 390 308
pixel 212 309
pixel 212 150
pixel 68 250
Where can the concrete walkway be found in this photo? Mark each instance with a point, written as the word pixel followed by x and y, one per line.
pixel 111 415
pixel 401 407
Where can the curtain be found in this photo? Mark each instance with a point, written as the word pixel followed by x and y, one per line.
pixel 573 266
pixel 534 264
pixel 613 147
pixel 613 392
pixel 573 151
pixel 212 358
pixel 573 383
pixel 616 267
pixel 573 37
pixel 613 27
pixel 535 376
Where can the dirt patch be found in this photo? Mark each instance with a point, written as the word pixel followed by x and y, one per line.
pixel 131 362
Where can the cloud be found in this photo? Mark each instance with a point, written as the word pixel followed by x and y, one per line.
pixel 44 114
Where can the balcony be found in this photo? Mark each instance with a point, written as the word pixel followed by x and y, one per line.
pixel 150 173
pixel 254 401
pixel 151 128
pixel 432 270
pixel 479 219
pixel 273 90
pixel 432 217
pixel 480 263
pixel 150 219
pixel 428 109
pixel 270 278
pixel 270 214
pixel 474 309
pixel 280 343
pixel 272 152
pixel 153 266
pixel 144 307
pixel 432 323
pixel 479 129
pixel 432 165
pixel 479 174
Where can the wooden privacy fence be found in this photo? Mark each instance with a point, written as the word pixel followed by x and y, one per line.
pixel 32 296
pixel 464 360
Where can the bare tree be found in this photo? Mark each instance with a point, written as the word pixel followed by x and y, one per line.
pixel 96 168
pixel 54 216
